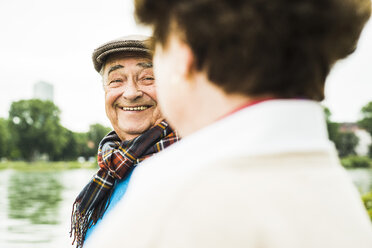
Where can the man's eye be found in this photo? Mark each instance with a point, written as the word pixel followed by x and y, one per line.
pixel 147 79
pixel 115 83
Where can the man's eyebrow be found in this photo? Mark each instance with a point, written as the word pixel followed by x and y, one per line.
pixel 145 65
pixel 113 68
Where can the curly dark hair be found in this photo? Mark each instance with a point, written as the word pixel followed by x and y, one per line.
pixel 258 47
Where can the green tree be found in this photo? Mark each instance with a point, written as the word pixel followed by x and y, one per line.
pixel 87 143
pixel 76 146
pixel 69 150
pixel 366 121
pixel 82 144
pixel 346 143
pixel 36 129
pixel 8 148
pixel 95 134
pixel 332 127
pixel 4 138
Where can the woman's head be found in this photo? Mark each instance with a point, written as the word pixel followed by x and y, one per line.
pixel 282 47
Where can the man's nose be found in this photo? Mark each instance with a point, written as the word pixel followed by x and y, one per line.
pixel 131 90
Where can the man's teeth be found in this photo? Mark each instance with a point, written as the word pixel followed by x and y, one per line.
pixel 135 108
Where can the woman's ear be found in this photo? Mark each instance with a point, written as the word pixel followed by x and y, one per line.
pixel 184 57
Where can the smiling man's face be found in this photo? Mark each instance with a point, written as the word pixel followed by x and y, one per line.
pixel 130 96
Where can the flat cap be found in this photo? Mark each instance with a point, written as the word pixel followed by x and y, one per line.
pixel 132 45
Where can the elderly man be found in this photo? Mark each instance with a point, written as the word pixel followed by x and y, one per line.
pixel 140 131
pixel 241 81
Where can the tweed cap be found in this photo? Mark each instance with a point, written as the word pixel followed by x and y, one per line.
pixel 131 45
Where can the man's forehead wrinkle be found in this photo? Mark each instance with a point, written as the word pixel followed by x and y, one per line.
pixel 115 67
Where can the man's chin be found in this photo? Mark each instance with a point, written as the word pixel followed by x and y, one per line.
pixel 128 132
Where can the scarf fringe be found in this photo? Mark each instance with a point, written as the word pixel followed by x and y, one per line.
pixel 81 222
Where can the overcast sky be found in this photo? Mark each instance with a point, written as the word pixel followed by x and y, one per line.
pixel 52 41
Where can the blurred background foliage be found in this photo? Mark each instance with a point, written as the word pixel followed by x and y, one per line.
pixel 345 138
pixel 33 132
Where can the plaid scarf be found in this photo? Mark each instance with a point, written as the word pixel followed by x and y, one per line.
pixel 115 159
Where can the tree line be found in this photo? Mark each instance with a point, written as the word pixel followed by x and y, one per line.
pixel 33 131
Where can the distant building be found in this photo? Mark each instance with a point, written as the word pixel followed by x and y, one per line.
pixel 365 138
pixel 43 91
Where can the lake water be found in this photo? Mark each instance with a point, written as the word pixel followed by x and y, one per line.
pixel 35 207
pixel 362 178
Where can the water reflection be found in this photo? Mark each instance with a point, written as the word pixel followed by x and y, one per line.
pixel 362 179
pixel 33 202
pixel 35 207
pixel 34 196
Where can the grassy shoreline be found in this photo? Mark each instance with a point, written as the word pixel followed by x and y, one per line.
pixel 45 166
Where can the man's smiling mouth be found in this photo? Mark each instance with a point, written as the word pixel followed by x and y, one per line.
pixel 137 108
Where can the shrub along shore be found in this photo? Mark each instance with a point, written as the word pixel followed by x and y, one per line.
pixel 46 166
pixel 354 161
